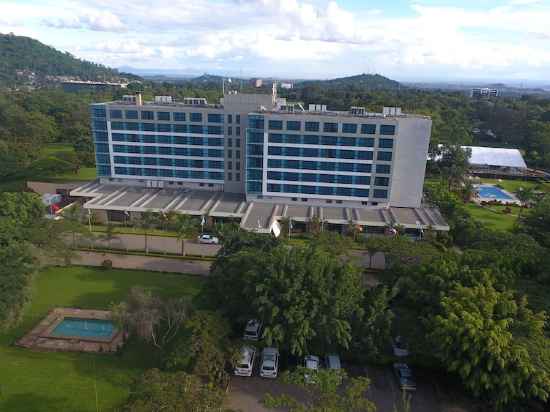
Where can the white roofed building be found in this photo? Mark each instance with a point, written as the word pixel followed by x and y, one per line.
pixel 495 160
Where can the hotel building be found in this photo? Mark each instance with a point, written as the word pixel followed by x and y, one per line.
pixel 257 158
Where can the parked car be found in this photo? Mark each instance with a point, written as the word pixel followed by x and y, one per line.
pixel 311 363
pixel 399 347
pixel 253 330
pixel 404 377
pixel 333 362
pixel 245 364
pixel 208 239
pixel 270 363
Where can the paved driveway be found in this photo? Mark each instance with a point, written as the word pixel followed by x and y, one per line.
pixel 157 264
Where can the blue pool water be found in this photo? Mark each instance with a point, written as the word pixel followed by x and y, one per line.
pixel 84 328
pixel 493 192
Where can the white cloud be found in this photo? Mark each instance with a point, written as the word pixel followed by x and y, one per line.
pixel 298 35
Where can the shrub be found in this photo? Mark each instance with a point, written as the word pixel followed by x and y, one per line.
pixel 107 264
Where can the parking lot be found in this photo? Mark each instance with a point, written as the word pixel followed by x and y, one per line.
pixel 246 394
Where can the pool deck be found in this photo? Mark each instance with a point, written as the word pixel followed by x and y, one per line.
pixel 512 201
pixel 40 338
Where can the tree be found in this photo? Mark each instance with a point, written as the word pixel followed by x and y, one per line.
pixel 73 219
pixel 152 319
pixel 304 295
pixel 537 221
pixel 372 326
pixel 147 221
pixel 486 337
pixel 109 234
pixel 453 164
pixel 525 196
pixel 325 393
pixel 186 227
pixel 204 349
pixel 157 391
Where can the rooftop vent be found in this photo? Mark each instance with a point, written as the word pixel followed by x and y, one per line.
pixel 357 111
pixel 287 108
pixel 163 99
pixel 195 101
pixel 391 111
pixel 317 108
pixel 132 99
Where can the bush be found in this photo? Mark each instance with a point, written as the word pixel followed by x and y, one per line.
pixel 107 264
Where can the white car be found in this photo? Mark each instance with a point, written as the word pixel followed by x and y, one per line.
pixel 270 363
pixel 245 364
pixel 253 330
pixel 311 363
pixel 208 240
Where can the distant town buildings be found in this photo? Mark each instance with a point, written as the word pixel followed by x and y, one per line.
pixel 286 85
pixel 78 85
pixel 484 92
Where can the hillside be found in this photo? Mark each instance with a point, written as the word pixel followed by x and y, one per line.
pixel 21 56
pixel 360 81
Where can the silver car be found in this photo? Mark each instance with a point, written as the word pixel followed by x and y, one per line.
pixel 245 364
pixel 208 240
pixel 270 363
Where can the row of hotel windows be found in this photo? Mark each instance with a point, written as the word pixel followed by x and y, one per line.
pixel 323 140
pixel 327 190
pixel 256 187
pixel 166 128
pixel 257 162
pixel 257 122
pixel 167 139
pixel 162 150
pixel 165 116
pixel 324 178
pixel 320 153
pixel 162 161
pixel 182 174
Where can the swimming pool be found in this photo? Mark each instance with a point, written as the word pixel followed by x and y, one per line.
pixel 493 192
pixel 84 328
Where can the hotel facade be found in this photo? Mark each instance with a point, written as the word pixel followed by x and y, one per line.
pixel 273 158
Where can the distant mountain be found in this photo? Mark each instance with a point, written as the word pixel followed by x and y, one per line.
pixel 360 81
pixel 26 60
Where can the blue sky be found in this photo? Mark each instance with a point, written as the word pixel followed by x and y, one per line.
pixel 406 40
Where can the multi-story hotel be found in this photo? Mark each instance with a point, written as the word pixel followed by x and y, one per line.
pixel 257 158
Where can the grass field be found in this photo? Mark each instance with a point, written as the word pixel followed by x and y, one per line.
pixel 493 217
pixel 18 184
pixel 44 381
pixel 512 186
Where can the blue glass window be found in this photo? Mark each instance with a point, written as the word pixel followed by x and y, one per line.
pixel 256 122
pixel 164 128
pixel 344 179
pixel 99 111
pixel 387 129
pixel 103 148
pixel 349 128
pixel 310 152
pixel 347 154
pixel 385 169
pixel 101 136
pixel 311 139
pixel 329 140
pixel 147 115
pixel 214 130
pixel 343 191
pixel 364 155
pixel 132 126
pixel 196 117
pixel 275 125
pixel 292 164
pixel 215 141
pixel 361 180
pixel 163 115
pixel 273 138
pixel 292 188
pixel 164 139
pixel 363 168
pixel 387 156
pixel 274 175
pixel 346 141
pixel 385 143
pixel 257 137
pixel 368 129
pixel 131 114
pixel 380 193
pixel 381 181
pixel 326 190
pixel 165 162
pixel 323 178
pixel 361 192
pixel 274 163
pixel 179 117
pixel 291 151
pixel 366 141
pixel 150 149
pixel 99 125
pixel 308 177
pixel 180 128
pixel 345 167
pixel 215 153
pixel 309 189
pixel 330 127
pixel 274 150
pixel 148 138
pixel 165 150
pixel 312 126
pixel 215 118
pixel 196 128
pixel 328 166
pixel 291 176
pixel 148 127
pixel 230 118
pixel 115 114
pixel 150 161
pixel 273 187
pixel 117 126
pixel 293 138
pixel 293 125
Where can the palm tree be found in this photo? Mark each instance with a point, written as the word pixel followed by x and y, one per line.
pixel 524 196
pixel 147 221
pixel 73 220
pixel 186 227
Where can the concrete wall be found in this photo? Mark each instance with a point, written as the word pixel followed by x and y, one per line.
pixel 409 163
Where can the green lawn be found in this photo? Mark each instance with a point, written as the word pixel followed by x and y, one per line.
pixel 43 381
pixel 512 186
pixel 493 217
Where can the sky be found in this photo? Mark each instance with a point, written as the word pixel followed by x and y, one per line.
pixel 422 40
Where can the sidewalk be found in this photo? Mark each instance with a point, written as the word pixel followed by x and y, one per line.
pixel 157 264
